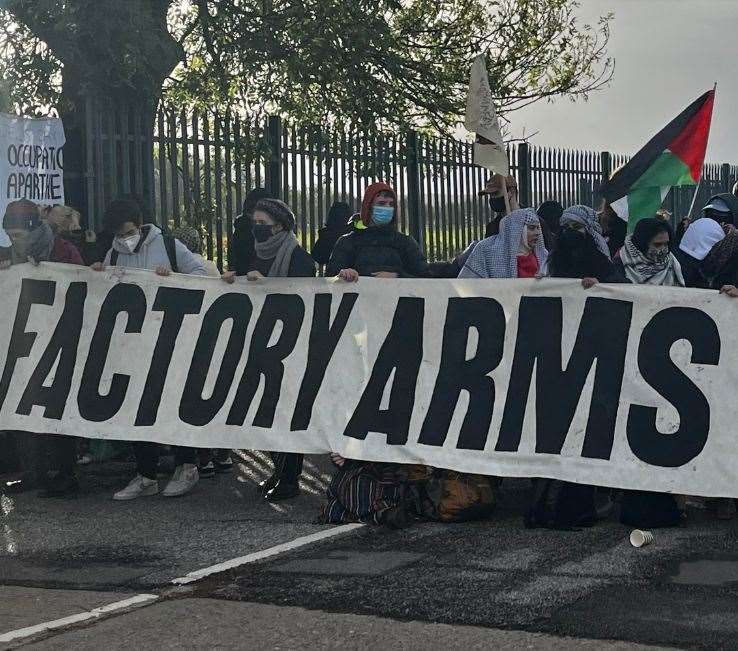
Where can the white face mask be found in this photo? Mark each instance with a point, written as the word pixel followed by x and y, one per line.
pixel 130 242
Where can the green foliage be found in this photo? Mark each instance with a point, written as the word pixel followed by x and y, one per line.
pixel 375 63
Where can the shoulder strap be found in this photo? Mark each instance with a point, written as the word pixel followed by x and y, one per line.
pixel 170 244
pixel 113 257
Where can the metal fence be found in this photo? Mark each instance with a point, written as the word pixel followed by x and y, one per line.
pixel 197 168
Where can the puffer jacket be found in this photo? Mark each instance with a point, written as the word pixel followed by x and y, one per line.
pixel 378 248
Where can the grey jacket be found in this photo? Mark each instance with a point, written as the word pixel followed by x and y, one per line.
pixel 152 253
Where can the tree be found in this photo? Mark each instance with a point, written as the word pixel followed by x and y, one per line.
pixel 373 62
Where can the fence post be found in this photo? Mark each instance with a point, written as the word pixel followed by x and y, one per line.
pixel 524 175
pixel 273 167
pixel 415 219
pixel 725 177
pixel 606 158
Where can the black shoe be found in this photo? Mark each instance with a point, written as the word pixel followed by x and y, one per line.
pixel 61 486
pixel 282 491
pixel 267 485
pixel 207 471
pixel 223 465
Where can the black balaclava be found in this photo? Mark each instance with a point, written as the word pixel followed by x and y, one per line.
pixel 576 256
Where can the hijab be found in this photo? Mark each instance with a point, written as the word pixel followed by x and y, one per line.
pixel 700 237
pixel 587 217
pixel 497 256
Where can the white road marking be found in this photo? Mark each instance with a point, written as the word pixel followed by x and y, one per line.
pixel 266 553
pixel 95 613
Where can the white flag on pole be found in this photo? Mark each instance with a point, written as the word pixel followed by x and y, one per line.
pixel 481 118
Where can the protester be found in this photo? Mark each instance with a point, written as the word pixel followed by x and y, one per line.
pixel 495 197
pixel 550 213
pixel 378 249
pixel 218 460
pixel 614 229
pixel 516 252
pixel 646 259
pixel 36 235
pixel 241 245
pixel 581 250
pixel 143 246
pixel 191 238
pixel 337 225
pixel 681 229
pixel 720 266
pixel 696 244
pixel 278 254
pixel 723 208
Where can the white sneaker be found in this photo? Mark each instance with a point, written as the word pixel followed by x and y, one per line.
pixel 139 486
pixel 183 480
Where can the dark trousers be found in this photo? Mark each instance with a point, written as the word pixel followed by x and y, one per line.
pixel 287 466
pixel 60 453
pixel 147 457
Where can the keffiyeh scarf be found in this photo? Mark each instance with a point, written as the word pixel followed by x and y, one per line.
pixel 588 218
pixel 497 256
pixel 643 270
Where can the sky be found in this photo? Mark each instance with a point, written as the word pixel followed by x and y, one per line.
pixel 667 53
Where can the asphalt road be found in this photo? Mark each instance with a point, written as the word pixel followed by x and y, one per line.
pixel 486 584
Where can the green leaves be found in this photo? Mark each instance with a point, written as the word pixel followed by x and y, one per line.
pixel 374 63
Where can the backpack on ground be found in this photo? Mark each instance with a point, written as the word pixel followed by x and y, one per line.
pixel 452 496
pixel 561 505
pixel 170 244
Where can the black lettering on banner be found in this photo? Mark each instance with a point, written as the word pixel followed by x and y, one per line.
pixel 324 337
pixel 62 346
pixel 123 298
pixel 175 303
pixel 456 373
pixel 193 408
pixel 33 292
pixel 289 309
pixel 658 369
pixel 401 352
pixel 602 336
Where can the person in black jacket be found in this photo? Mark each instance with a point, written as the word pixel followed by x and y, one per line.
pixel 241 246
pixel 336 225
pixel 379 249
pixel 277 254
pixel 581 250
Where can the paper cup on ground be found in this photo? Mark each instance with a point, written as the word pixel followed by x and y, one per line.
pixel 640 538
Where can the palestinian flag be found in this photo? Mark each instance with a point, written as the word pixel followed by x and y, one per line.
pixel 673 157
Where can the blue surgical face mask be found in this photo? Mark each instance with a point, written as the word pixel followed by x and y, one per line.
pixel 382 215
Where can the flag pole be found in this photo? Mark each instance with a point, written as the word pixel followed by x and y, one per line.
pixel 699 183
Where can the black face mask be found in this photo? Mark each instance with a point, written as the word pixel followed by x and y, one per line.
pixel 497 204
pixel 571 240
pixel 262 232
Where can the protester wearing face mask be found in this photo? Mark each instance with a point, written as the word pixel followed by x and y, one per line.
pixel 496 199
pixel 378 249
pixel 35 235
pixel 723 208
pixel 646 258
pixel 241 245
pixel 581 250
pixel 695 247
pixel 516 252
pixel 278 254
pixel 143 246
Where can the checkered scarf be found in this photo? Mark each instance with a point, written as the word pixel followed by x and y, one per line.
pixel 588 218
pixel 497 256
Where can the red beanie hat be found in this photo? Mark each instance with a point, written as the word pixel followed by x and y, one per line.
pixel 370 194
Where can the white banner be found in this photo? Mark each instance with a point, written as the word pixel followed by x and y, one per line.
pixel 619 385
pixel 31 161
